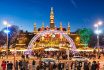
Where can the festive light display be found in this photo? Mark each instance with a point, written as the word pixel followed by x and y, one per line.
pixel 52 33
pixel 85 35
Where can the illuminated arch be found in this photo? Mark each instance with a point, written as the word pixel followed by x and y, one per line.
pixel 69 39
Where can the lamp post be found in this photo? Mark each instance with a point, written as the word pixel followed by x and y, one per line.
pixel 7 31
pixel 98 31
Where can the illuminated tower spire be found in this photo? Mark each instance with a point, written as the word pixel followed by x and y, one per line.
pixel 52 19
pixel 42 26
pixel 61 26
pixel 68 30
pixel 35 30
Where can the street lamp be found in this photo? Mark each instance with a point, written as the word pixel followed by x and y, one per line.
pixel 98 31
pixel 7 32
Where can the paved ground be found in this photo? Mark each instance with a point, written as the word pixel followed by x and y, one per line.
pixel 11 58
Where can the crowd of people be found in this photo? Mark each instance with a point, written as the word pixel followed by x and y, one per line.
pixel 50 54
pixel 7 65
pixel 63 55
pixel 85 65
pixel 33 65
pixel 75 65
pixel 60 65
pixel 58 54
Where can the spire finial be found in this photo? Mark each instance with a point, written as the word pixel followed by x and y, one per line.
pixel 34 24
pixel 68 24
pixel 51 8
pixel 42 24
pixel 60 23
pixel 35 30
pixel 52 19
pixel 51 13
pixel 68 29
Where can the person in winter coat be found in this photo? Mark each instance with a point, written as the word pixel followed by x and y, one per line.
pixel 94 66
pixel 86 66
pixel 33 64
pixel 3 65
pixel 89 65
pixel 10 66
pixel 67 66
pixel 16 65
pixel 20 65
pixel 98 65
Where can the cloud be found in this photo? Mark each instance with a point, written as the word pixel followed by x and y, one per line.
pixel 73 3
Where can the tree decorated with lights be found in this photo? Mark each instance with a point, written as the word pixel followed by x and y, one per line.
pixel 85 35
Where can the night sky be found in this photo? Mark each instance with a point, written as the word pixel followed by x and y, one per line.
pixel 24 13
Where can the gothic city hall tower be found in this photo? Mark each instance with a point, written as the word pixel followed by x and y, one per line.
pixel 52 25
pixel 48 36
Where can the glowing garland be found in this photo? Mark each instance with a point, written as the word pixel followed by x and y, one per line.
pixel 73 47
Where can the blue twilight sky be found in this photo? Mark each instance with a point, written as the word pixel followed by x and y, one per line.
pixel 80 13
